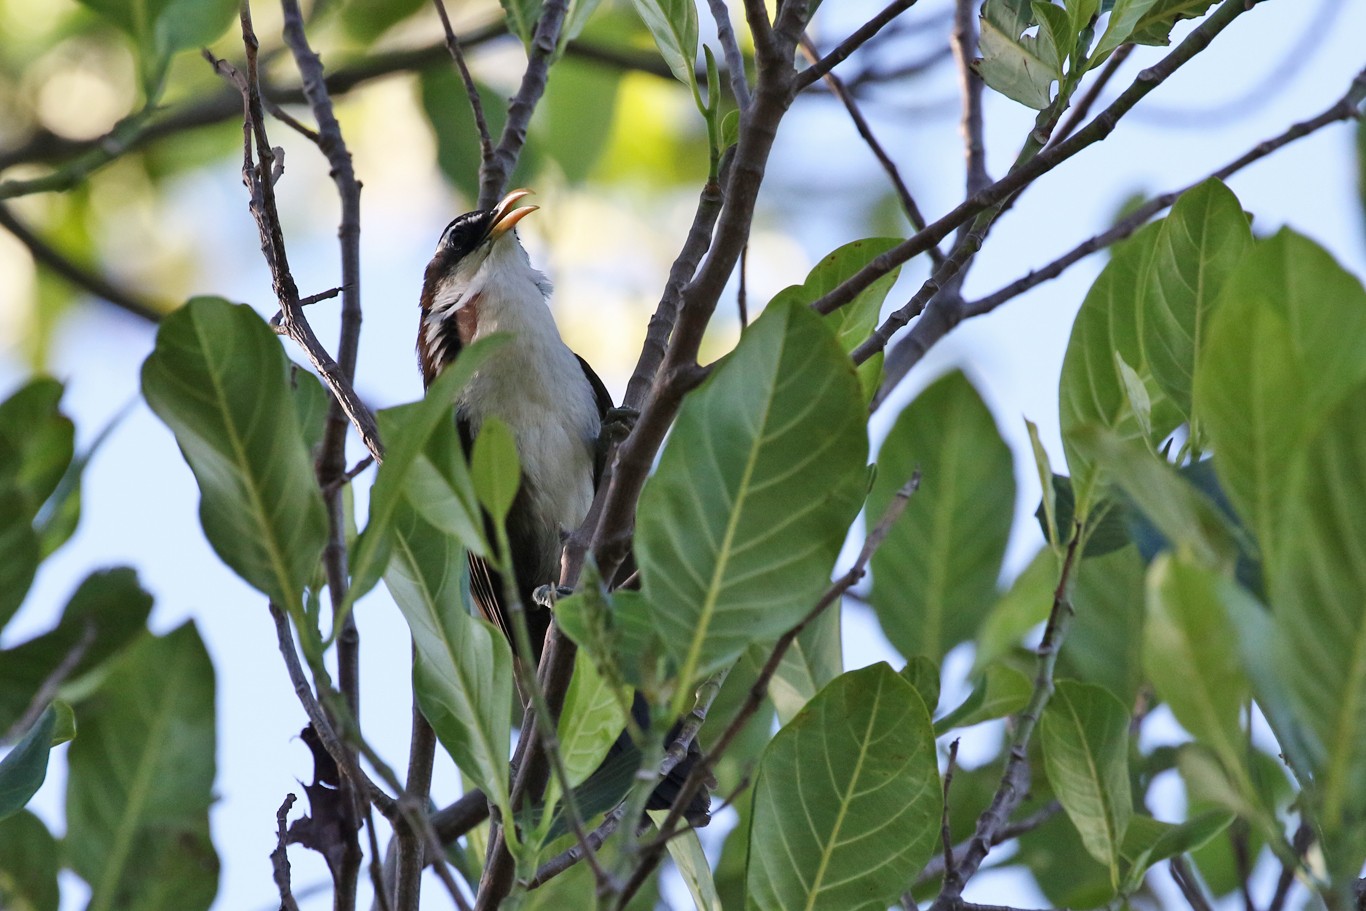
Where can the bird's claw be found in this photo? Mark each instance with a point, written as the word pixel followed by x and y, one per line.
pixel 546 595
pixel 618 423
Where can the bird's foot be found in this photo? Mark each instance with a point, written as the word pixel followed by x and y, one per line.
pixel 617 424
pixel 546 595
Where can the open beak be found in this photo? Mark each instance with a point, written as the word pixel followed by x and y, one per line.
pixel 505 217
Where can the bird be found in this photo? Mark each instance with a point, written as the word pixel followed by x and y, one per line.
pixel 481 281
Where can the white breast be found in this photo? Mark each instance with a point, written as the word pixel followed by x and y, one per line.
pixel 536 386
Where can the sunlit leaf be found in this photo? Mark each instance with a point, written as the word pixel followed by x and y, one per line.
pixel 1020 66
pixel 814 659
pixel 847 799
pixel 673 23
pixel 594 715
pixel 1085 737
pixel 934 578
pixel 742 521
pixel 1155 25
pixel 463 673
pixel 1286 344
pixel 219 379
pixel 856 320
pixel 495 469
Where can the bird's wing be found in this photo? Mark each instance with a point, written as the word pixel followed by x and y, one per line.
pixel 603 398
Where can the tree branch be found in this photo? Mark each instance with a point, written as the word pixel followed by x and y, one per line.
pixel 861 36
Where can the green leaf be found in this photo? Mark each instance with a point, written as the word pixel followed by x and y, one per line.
pixel 366 20
pixel 1125 16
pixel 574 123
pixel 575 18
pixel 1178 510
pixel 495 469
pixel 1154 26
pixel 23 552
pixel 1104 640
pixel 141 780
pixel 594 715
pixel 1191 656
pixel 424 464
pixel 462 674
pixel 847 799
pixel 1197 249
pixel 673 23
pixel 741 524
pixel 1019 66
pixel 447 107
pixel 106 612
pixel 1092 390
pixel 1286 344
pixel 1319 605
pixel 28 865
pixel 37 442
pixel 23 769
pixel 1000 691
pixel 160 28
pixel 1149 841
pixel 691 861
pixel 923 674
pixel 219 379
pixel 934 578
pixel 1085 738
pixel 1052 532
pixel 856 320
pixel 814 659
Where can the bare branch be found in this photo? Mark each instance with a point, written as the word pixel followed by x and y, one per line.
pixel 471 90
pixel 411 844
pixel 279 858
pixel 1082 108
pixel 493 175
pixel 735 61
pixel 963 40
pixel 860 37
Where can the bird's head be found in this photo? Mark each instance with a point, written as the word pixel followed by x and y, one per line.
pixel 478 253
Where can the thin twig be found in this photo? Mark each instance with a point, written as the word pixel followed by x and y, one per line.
pixel 1345 108
pixel 279 858
pixel 375 865
pixel 411 845
pixel 1188 884
pixel 1000 191
pixel 1015 779
pixel 963 40
pixel 493 174
pixel 85 279
pixel 945 830
pixel 471 90
pixel 935 869
pixel 903 193
pixel 860 37
pixel 730 48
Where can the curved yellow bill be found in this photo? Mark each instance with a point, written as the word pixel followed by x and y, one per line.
pixel 505 217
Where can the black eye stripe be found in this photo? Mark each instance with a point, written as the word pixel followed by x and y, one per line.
pixel 464 233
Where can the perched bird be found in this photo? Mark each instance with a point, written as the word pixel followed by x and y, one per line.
pixel 481 281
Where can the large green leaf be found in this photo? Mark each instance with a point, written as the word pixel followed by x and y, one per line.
pixel 28 865
pixel 741 523
pixel 463 669
pixel 934 578
pixel 141 780
pixel 106 612
pixel 23 552
pixel 1022 607
pixel 594 715
pixel 219 379
pixel 856 320
pixel 1286 344
pixel 1149 841
pixel 1020 66
pixel 1196 249
pixel 37 442
pixel 1125 16
pixel 23 768
pixel 1319 603
pixel 575 119
pixel 1105 380
pixel 1085 738
pixel 673 23
pixel 1191 656
pixel 847 800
